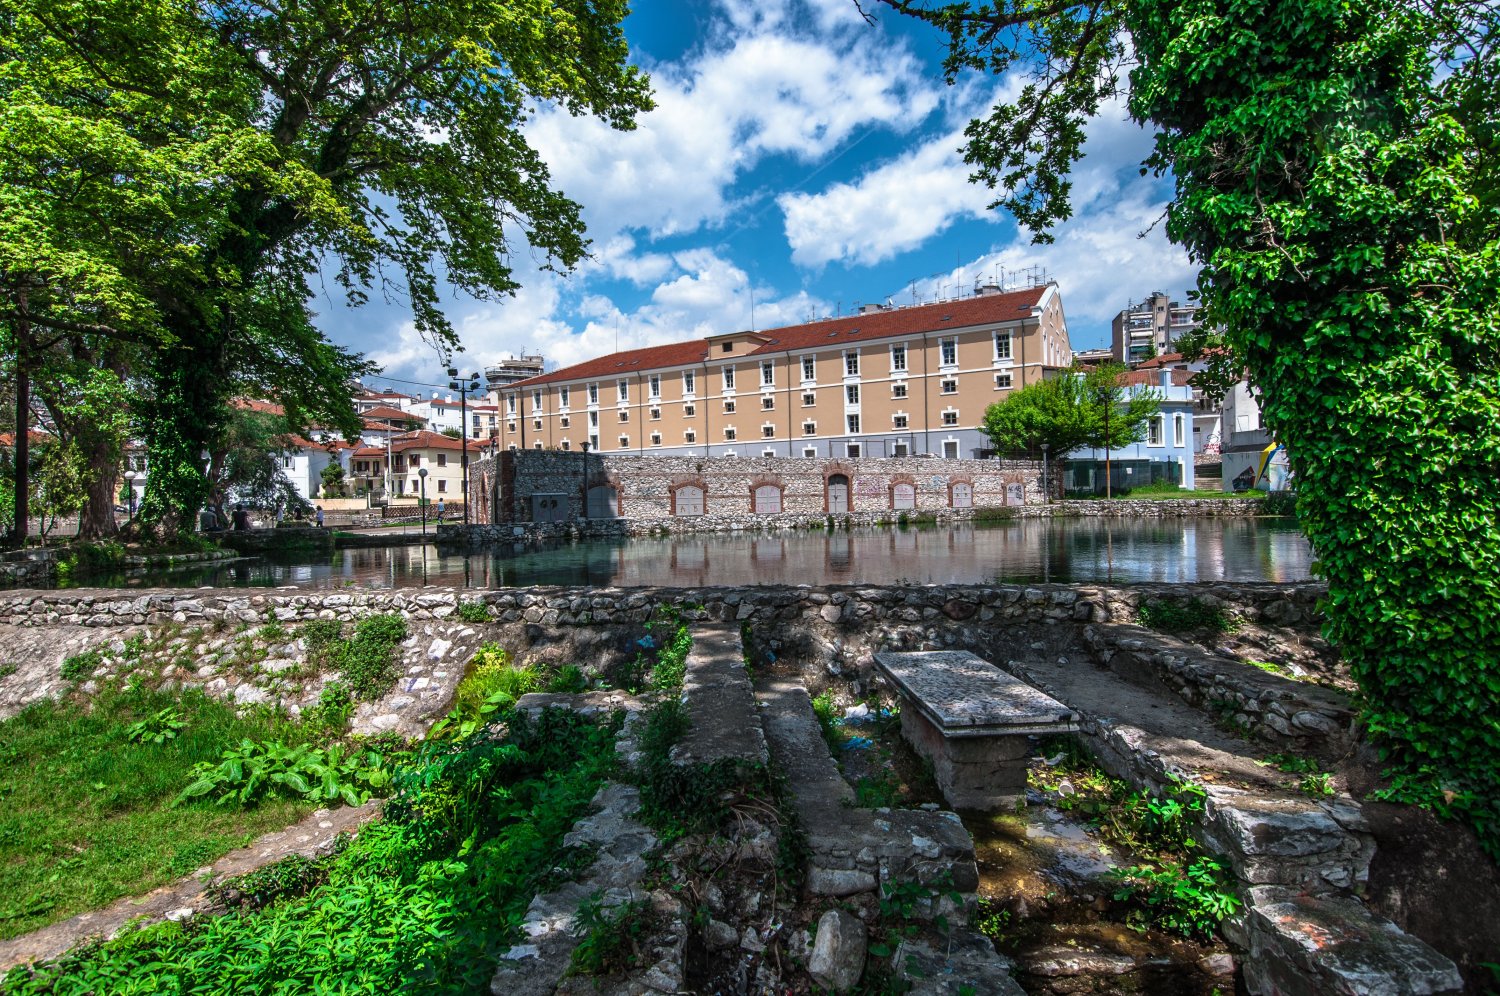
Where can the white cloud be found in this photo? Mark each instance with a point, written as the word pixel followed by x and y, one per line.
pixel 756 90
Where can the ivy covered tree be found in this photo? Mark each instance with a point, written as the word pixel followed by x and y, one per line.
pixel 1336 176
pixel 1079 408
pixel 176 172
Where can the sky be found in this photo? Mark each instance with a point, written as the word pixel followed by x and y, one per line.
pixel 799 162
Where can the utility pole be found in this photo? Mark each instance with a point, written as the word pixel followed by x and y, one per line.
pixel 463 387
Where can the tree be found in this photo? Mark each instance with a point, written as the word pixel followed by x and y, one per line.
pixel 1068 412
pixel 333 480
pixel 248 144
pixel 1336 176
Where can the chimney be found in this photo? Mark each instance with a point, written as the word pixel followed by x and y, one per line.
pixel 871 309
pixel 1166 378
pixel 987 290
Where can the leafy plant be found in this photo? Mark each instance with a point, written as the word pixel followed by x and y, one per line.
pixel 491 687
pixel 671 665
pixel 473 612
pixel 569 680
pixel 164 725
pixel 80 666
pixel 1180 617
pixel 826 712
pixel 253 770
pixel 610 937
pixel 366 661
pixel 334 707
pixel 1190 899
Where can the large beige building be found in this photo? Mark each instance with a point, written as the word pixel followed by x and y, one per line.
pixel 884 382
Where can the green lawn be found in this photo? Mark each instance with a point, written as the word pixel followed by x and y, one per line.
pixel 86 814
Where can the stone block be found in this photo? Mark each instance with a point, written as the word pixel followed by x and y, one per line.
pixel 838 954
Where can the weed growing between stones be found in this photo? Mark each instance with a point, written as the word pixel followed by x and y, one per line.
pixel 366 660
pixel 611 939
pixel 424 900
pixel 80 667
pixel 1181 617
pixel 473 612
pixel 293 875
pixel 1314 780
pixel 1177 886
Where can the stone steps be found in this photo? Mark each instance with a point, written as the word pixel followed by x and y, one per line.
pixel 720 702
pixel 1300 857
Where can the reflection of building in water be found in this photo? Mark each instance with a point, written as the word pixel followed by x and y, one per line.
pixel 840 552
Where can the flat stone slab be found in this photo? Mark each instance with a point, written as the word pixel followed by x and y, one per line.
pixel 720 702
pixel 964 696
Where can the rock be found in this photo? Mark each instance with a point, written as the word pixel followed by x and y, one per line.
pixel 838 881
pixel 180 915
pixel 718 935
pixel 838 954
pixel 751 941
pixel 1221 963
pixel 831 613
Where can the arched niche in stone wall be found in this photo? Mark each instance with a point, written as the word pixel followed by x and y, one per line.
pixel 903 492
pixel 960 491
pixel 766 491
pixel 688 494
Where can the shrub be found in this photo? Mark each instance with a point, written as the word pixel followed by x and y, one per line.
pixel 1181 617
pixel 253 770
pixel 570 680
pixel 1188 899
pixel 81 666
pixel 473 612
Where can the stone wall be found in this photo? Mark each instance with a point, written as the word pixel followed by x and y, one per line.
pixel 645 486
pixel 28 567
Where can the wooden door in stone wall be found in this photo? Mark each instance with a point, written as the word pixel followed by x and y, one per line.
pixel 602 502
pixel 904 496
pixel 689 500
pixel 767 499
pixel 838 494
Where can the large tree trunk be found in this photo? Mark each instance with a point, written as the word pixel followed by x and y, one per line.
pixel 96 520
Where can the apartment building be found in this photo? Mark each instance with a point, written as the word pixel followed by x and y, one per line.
pixel 1150 328
pixel 883 382
pixel 408 455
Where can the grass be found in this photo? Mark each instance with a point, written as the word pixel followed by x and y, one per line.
pixel 85 813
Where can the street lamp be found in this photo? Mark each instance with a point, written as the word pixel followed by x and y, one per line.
pixel 585 479
pixel 463 387
pixel 130 499
pixel 1106 398
pixel 422 499
pixel 1046 492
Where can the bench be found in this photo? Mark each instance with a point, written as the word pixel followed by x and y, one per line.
pixel 972 721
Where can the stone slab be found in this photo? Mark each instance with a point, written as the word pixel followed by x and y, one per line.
pixel 720 702
pixel 964 696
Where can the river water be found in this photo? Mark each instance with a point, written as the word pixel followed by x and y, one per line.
pixel 1119 550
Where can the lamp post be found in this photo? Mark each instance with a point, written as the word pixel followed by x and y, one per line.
pixel 422 498
pixel 1046 491
pixel 1107 399
pixel 463 387
pixel 585 492
pixel 130 501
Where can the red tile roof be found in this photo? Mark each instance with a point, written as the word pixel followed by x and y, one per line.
pixel 424 440
pixel 35 438
pixel 1152 378
pixel 883 324
pixel 256 405
pixel 387 412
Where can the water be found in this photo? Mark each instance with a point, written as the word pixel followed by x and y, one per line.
pixel 1173 550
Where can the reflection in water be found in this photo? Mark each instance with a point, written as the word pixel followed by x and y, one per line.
pixel 1173 550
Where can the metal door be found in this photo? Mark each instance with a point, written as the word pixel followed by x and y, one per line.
pixel 689 500
pixel 602 503
pixel 838 494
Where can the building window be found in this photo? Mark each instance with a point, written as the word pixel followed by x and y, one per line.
pixel 1153 431
pixel 898 421
pixel 729 432
pixel 510 403
pixel 950 449
pixel 898 358
pixel 562 422
pixel 593 441
pixel 538 445
pixel 851 394
pixel 689 382
pixel 566 445
pixel 624 415
pixel 563 394
pixel 768 373
pixel 1002 345
pixel 767 453
pixel 1178 438
pixel 809 428
pixel 852 422
pixel 536 401
pixel 512 448
pixel 655 385
pixel 622 387
pixel 729 378
pixel 851 364
pixel 689 500
pixel 415 459
pixel 1002 381
pixel 948 352
pixel 593 420
pixel 536 424
pixel 728 347
pixel 809 399
pixel 809 452
pixel 690 436
pixel 442 459
pixel 729 407
pixel 624 442
pixel 808 368
pixel 442 486
pixel 853 449
pixel 768 431
pixel 656 414
pixel 593 394
pixel 656 439
pixel 898 390
pixel 949 386
pixel 689 411
pixel 950 417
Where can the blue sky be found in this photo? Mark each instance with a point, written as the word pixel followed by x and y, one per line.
pixel 801 157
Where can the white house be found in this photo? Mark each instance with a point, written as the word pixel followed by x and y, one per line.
pixel 1166 454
